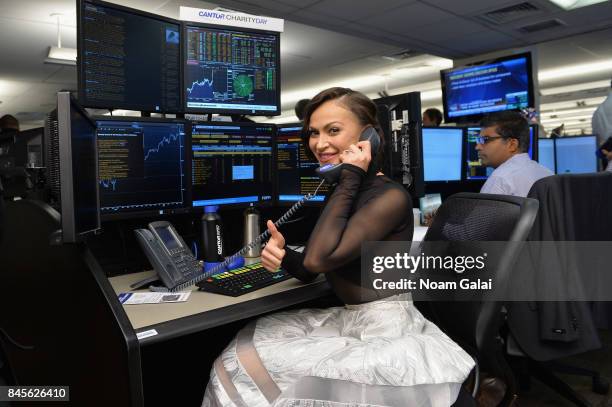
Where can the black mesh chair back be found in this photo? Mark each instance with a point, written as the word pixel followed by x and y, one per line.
pixel 1 214
pixel 464 221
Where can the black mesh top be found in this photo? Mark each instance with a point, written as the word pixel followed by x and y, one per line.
pixel 360 208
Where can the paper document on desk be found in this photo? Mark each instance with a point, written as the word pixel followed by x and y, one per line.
pixel 152 298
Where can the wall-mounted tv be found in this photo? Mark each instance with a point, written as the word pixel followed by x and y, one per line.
pixel 504 83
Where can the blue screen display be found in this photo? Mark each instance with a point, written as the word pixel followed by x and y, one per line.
pixel 576 155
pixel 442 153
pixel 487 88
pixel 546 153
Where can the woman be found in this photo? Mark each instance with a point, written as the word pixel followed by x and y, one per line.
pixel 369 352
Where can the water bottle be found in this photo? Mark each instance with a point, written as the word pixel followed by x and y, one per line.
pixel 212 237
pixel 251 231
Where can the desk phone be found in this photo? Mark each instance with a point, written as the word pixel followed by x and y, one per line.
pixel 168 254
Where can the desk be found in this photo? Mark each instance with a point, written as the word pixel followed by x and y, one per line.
pixel 204 310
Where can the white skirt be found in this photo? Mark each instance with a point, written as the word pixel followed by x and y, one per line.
pixel 383 353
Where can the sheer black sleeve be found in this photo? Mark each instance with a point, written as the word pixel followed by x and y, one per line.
pixel 293 262
pixel 343 226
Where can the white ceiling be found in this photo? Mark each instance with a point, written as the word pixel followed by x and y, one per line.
pixel 342 42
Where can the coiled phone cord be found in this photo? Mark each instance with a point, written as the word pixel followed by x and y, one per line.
pixel 258 240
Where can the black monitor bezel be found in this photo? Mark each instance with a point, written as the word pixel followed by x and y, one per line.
pixel 259 204
pixel 184 27
pixel 65 103
pixel 186 208
pixel 276 186
pixel 80 67
pixel 463 155
pixel 474 118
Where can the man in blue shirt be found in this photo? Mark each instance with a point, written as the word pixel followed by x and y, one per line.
pixel 503 144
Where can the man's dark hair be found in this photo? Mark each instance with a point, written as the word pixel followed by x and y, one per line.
pixel 9 122
pixel 300 108
pixel 434 115
pixel 358 103
pixel 509 124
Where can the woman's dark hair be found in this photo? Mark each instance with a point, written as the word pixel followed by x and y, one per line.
pixel 356 102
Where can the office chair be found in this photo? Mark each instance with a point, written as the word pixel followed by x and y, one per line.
pixel 464 221
pixel 573 207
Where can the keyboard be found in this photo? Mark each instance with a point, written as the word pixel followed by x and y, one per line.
pixel 242 280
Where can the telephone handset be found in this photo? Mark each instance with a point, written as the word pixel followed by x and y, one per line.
pixel 168 254
pixel 331 172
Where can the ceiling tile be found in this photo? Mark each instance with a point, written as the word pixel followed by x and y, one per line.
pixel 352 10
pixel 404 19
pixel 451 28
pixel 299 3
pixel 485 41
pixel 258 7
pixel 306 16
pixel 469 7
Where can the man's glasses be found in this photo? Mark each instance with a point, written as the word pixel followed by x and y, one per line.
pixel 486 139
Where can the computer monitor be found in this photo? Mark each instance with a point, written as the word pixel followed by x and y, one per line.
pixel 232 163
pixel 546 153
pixel 127 59
pixel 295 171
pixel 442 153
pixel 231 70
pixel 474 168
pixel 576 155
pixel 144 166
pixel 78 170
pixel 504 83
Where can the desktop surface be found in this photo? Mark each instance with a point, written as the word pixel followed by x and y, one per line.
pixel 205 310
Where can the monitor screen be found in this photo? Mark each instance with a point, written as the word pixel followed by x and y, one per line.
pixel 295 171
pixel 230 70
pixel 232 163
pixel 546 153
pixel 491 86
pixel 576 155
pixel 127 59
pixel 142 165
pixel 78 170
pixel 474 167
pixel 442 147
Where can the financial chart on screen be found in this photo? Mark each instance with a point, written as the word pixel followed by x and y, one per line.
pixel 232 163
pixel 141 165
pixel 295 171
pixel 227 70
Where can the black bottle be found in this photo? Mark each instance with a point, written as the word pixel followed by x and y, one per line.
pixel 212 236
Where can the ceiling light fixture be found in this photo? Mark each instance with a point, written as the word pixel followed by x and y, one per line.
pixel 575 88
pixel 575 70
pixel 59 55
pixel 574 4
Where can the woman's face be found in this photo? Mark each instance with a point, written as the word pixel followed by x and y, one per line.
pixel 333 128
